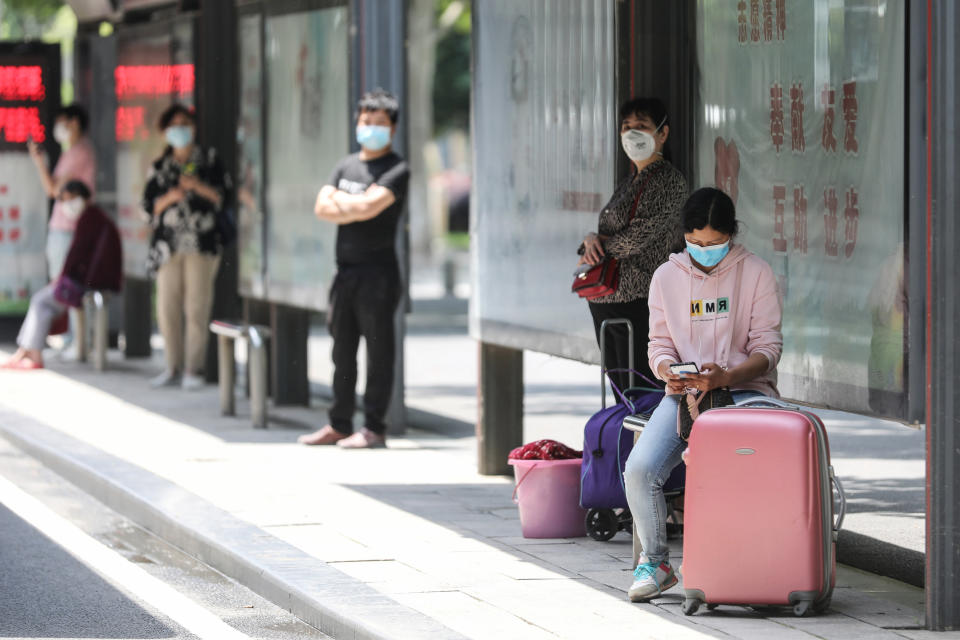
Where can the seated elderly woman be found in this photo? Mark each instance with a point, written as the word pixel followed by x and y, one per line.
pixel 94 261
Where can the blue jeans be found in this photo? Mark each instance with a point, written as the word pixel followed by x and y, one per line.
pixel 654 456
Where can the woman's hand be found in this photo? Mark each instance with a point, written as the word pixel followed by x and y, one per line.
pixel 188 183
pixel 592 249
pixel 200 188
pixel 168 199
pixel 711 376
pixel 675 384
pixel 36 154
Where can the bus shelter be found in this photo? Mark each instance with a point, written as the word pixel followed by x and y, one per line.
pixel 829 123
pixel 274 85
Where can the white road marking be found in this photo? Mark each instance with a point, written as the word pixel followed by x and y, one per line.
pixel 115 568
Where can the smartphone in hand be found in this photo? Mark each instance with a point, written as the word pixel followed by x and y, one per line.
pixel 681 368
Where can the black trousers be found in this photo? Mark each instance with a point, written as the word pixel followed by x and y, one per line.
pixel 363 300
pixel 617 349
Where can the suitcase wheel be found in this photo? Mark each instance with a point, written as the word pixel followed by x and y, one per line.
pixel 690 606
pixel 712 606
pixel 800 609
pixel 602 524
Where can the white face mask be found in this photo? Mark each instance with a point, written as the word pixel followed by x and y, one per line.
pixel 73 207
pixel 639 145
pixel 61 133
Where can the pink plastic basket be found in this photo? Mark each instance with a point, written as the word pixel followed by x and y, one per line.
pixel 548 494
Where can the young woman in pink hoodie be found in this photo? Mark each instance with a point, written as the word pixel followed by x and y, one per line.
pixel 717 305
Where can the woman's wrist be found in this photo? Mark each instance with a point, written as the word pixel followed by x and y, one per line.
pixel 726 377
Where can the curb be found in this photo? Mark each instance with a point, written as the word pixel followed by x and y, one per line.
pixel 880 557
pixel 333 602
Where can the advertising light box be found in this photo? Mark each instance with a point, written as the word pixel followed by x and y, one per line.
pixel 810 145
pixel 545 148
pixel 29 97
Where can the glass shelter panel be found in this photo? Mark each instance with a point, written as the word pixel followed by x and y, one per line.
pixel 308 126
pixel 545 144
pixel 802 122
pixel 250 158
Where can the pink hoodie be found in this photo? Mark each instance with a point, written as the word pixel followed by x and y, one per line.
pixel 700 317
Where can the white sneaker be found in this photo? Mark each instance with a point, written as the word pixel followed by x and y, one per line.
pixel 192 382
pixel 166 379
pixel 650 580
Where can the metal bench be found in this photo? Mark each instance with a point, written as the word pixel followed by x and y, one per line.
pixel 256 337
pixel 95 306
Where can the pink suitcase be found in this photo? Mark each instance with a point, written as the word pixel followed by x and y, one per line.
pixel 759 526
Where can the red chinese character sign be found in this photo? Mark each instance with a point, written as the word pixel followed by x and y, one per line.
pixel 153 71
pixel 29 90
pixel 806 96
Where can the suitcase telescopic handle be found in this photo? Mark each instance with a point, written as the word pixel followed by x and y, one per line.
pixel 603 355
pixel 843 503
pixel 765 402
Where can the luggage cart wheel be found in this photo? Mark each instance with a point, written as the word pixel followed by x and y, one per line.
pixel 690 606
pixel 602 524
pixel 800 609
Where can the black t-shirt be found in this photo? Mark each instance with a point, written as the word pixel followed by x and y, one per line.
pixel 371 241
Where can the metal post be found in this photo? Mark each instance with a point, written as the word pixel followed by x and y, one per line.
pixel 226 373
pixel 81 315
pixel 216 96
pixel 257 366
pixel 943 341
pixel 137 317
pixel 257 312
pixel 915 242
pixel 101 320
pixel 289 328
pixel 500 401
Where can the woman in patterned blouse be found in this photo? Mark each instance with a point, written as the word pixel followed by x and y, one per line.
pixel 640 227
pixel 184 194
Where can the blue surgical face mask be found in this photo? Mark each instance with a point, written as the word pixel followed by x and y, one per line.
pixel 708 256
pixel 179 137
pixel 373 137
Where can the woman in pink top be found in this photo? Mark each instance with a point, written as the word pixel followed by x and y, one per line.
pixel 716 305
pixel 77 162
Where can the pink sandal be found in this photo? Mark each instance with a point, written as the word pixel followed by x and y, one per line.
pixel 23 364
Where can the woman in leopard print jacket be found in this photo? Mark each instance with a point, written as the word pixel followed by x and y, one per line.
pixel 640 227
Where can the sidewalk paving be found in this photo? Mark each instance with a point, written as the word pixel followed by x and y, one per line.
pixel 407 542
pixel 881 463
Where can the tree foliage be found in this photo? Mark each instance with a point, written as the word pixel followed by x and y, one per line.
pixel 451 87
pixel 26 19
